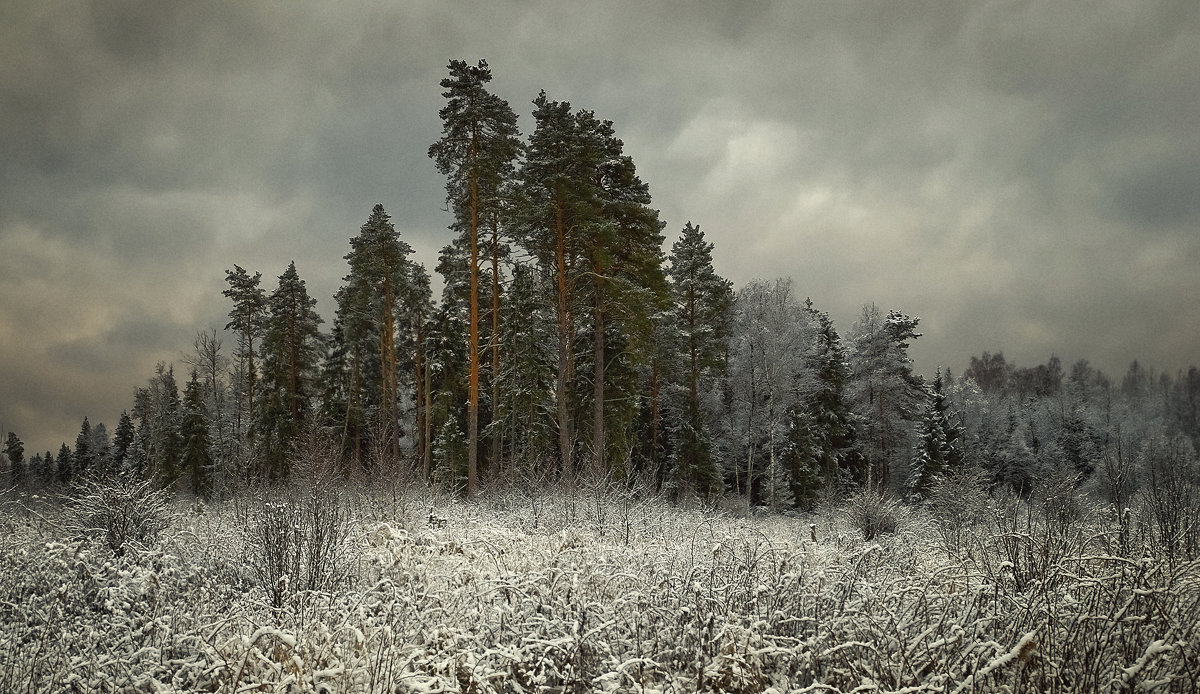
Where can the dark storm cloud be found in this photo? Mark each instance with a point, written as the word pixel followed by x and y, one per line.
pixel 1023 175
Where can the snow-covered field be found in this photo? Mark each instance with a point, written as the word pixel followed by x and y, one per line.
pixel 557 592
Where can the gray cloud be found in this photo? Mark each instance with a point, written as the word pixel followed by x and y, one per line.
pixel 1021 175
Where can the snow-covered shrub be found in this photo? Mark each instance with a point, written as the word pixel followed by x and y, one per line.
pixel 872 513
pixel 296 540
pixel 1170 501
pixel 959 505
pixel 123 512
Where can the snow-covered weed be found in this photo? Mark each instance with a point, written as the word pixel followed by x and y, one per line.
pixel 123 512
pixel 583 593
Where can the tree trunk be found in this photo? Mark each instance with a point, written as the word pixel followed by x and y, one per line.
pixel 496 430
pixel 473 338
pixel 419 384
pixel 750 433
pixel 564 347
pixel 387 364
pixel 598 443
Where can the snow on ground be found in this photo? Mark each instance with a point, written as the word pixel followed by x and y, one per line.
pixel 583 592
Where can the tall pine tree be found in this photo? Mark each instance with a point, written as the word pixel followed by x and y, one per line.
pixel 476 152
pixel 247 319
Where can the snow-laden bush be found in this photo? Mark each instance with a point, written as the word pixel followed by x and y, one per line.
pixel 295 539
pixel 121 511
pixel 474 597
pixel 959 506
pixel 872 513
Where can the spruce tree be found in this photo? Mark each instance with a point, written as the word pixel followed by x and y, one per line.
pixel 476 152
pixel 46 474
pixel 14 450
pixel 197 456
pixel 525 406
pixel 702 305
pixel 821 442
pixel 292 348
pixel 64 469
pixel 829 412
pixel 82 457
pixel 369 323
pixel 122 441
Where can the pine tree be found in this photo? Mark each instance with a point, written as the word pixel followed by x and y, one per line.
pixel 560 198
pixel 197 457
pixel 624 261
pixel 476 152
pixel 248 319
pixel 702 305
pixel 292 348
pixel 14 450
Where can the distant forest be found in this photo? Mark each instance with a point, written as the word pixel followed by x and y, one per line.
pixel 567 343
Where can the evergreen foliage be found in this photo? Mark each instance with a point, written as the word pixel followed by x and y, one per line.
pixel 702 302
pixel 292 348
pixel 197 455
pixel 476 152
pixel 14 450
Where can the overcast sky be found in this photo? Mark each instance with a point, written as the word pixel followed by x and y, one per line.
pixel 1024 176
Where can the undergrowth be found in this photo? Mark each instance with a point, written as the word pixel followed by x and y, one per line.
pixel 572 591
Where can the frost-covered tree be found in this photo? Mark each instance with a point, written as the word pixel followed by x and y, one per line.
pixel 884 391
pixel 156 449
pixel 212 367
pixel 771 332
pixel 939 440
pixel 702 303
pixel 821 446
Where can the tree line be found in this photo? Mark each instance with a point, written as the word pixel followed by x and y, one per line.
pixel 567 343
